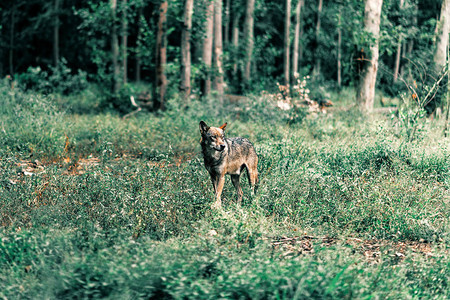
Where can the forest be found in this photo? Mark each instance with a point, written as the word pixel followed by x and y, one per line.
pixel 103 187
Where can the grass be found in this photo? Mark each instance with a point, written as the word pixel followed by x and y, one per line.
pixel 94 206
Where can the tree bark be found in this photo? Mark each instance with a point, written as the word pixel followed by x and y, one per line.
pixel 226 37
pixel 316 71
pixel 339 49
pixel 287 41
pixel 235 41
pixel 185 85
pixel 124 43
pixel 295 60
pixel 218 48
pixel 56 25
pixel 138 56
pixel 207 46
pixel 115 49
pixel 366 85
pixel 248 37
pixel 399 51
pixel 161 58
pixel 440 55
pixel 11 40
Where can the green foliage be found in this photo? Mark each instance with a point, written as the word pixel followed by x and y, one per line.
pixel 59 80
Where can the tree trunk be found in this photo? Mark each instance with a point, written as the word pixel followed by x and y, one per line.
pixel 235 41
pixel 56 33
pixel 124 42
pixel 11 41
pixel 316 71
pixel 287 41
pixel 300 46
pixel 440 55
pixel 448 91
pixel 366 85
pixel 185 85
pixel 295 60
pixel 248 37
pixel 339 49
pixel 207 46
pixel 226 37
pixel 407 48
pixel 399 51
pixel 138 56
pixel 115 49
pixel 218 48
pixel 161 58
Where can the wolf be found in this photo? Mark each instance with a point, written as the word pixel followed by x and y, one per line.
pixel 227 156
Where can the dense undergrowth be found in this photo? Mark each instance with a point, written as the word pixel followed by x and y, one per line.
pixel 93 205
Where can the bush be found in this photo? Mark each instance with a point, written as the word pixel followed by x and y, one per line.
pixel 58 79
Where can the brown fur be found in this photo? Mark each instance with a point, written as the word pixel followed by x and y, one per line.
pixel 227 156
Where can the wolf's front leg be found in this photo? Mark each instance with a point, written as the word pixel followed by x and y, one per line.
pixel 220 180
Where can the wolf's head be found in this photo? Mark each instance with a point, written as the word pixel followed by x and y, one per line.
pixel 213 137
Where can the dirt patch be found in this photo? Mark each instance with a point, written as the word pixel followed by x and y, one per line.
pixel 371 250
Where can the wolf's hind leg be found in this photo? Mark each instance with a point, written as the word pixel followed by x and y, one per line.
pixel 237 185
pixel 252 174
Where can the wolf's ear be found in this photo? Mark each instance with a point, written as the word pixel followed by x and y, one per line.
pixel 203 127
pixel 223 126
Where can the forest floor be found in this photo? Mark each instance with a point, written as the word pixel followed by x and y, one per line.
pixel 97 206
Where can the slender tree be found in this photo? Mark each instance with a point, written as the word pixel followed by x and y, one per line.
pixel 226 36
pixel 207 45
pixel 161 58
pixel 339 49
pixel 235 41
pixel 248 38
pixel 185 85
pixel 295 60
pixel 138 56
pixel 218 48
pixel 115 49
pixel 11 39
pixel 56 25
pixel 440 55
pixel 366 86
pixel 287 41
pixel 316 71
pixel 399 51
pixel 124 42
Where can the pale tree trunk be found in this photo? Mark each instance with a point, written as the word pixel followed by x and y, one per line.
pixel 235 41
pixel 407 48
pixel 218 48
pixel 300 46
pixel 138 55
pixel 249 39
pixel 226 37
pixel 287 41
pixel 366 86
pixel 207 45
pixel 316 71
pixel 115 49
pixel 161 58
pixel 124 42
pixel 185 85
pixel 440 55
pixel 295 60
pixel 399 51
pixel 56 33
pixel 339 49
pixel 448 91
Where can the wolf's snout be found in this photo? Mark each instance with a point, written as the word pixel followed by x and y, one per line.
pixel 220 148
